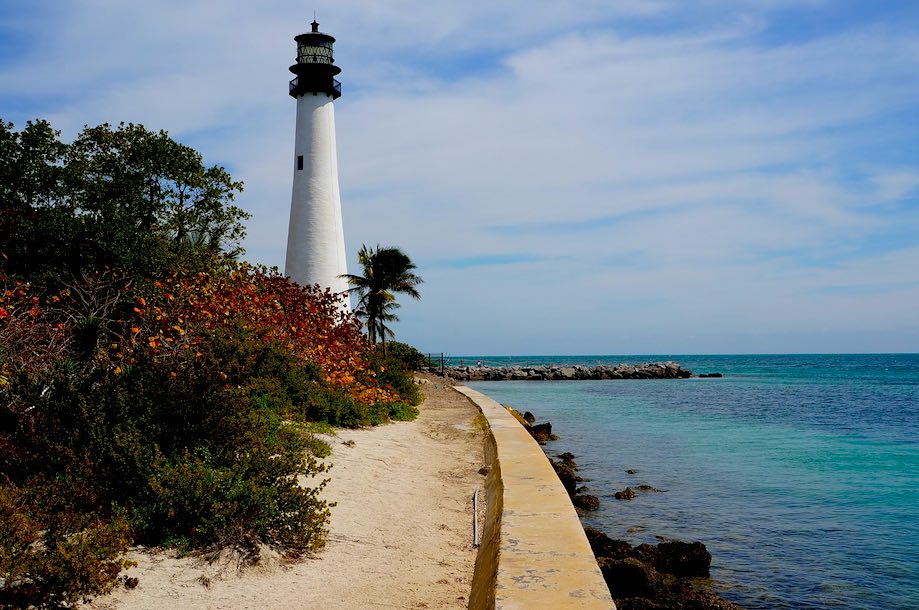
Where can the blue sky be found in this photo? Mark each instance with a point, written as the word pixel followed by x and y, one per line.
pixel 639 176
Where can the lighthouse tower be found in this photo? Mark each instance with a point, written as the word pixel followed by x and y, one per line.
pixel 315 238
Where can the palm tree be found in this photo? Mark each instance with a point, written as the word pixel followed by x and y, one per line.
pixel 386 271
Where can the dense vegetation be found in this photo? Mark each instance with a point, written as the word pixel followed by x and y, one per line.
pixel 152 389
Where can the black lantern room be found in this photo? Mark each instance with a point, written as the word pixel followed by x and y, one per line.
pixel 315 67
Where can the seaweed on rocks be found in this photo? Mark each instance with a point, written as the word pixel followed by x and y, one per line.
pixel 586 502
pixel 667 575
pixel 566 470
pixel 541 432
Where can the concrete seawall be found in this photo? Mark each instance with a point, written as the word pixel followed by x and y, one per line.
pixel 534 552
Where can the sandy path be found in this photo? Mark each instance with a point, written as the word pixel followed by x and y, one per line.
pixel 400 535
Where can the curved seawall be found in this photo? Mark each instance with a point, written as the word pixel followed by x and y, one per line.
pixel 534 552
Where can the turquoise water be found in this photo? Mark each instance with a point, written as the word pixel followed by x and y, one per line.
pixel 800 473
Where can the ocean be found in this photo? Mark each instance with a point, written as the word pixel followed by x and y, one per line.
pixel 800 473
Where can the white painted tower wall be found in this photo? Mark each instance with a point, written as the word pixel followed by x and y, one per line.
pixel 316 239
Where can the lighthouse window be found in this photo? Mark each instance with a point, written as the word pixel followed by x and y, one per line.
pixel 299 162
pixel 315 53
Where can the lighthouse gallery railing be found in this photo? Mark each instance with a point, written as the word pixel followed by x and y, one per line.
pixel 336 85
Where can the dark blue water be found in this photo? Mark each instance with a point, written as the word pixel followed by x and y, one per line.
pixel 800 473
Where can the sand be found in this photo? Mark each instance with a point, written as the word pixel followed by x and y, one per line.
pixel 400 537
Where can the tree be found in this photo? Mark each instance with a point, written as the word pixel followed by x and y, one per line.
pixel 122 198
pixel 386 271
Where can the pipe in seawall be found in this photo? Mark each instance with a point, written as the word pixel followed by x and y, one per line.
pixel 534 553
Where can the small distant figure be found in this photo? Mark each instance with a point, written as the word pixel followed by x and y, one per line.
pixel 478 363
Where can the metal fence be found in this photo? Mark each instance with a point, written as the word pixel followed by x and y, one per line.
pixel 437 360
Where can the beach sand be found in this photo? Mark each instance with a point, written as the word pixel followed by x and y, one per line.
pixel 400 537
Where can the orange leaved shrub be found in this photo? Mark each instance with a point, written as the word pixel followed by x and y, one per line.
pixel 173 314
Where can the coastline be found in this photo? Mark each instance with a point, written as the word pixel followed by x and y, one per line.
pixel 767 466
pixel 671 573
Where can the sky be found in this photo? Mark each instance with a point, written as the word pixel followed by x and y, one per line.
pixel 580 177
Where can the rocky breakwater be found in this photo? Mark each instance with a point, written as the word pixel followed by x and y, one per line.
pixel 650 370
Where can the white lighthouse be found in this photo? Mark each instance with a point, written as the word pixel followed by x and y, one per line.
pixel 315 238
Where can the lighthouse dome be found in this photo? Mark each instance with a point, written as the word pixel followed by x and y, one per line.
pixel 315 67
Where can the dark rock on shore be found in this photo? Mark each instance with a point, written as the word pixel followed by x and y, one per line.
pixel 566 470
pixel 688 600
pixel 655 577
pixel 542 432
pixel 604 546
pixel 586 502
pixel 674 557
pixel 683 558
pixel 650 370
pixel 644 577
pixel 629 578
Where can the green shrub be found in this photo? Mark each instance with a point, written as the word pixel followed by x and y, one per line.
pixel 307 431
pixel 392 372
pixel 56 561
pixel 317 447
pixel 194 502
pixel 324 404
pixel 410 357
pixel 394 368
pixel 318 427
pixel 400 411
pixel 193 448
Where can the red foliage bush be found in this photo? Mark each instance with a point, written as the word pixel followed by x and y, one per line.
pixel 308 322
pixel 31 337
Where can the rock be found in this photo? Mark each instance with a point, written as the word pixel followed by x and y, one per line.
pixel 649 577
pixel 625 494
pixel 567 457
pixel 484 470
pixel 705 600
pixel 566 474
pixel 629 578
pixel 604 546
pixel 529 417
pixel 586 502
pixel 646 487
pixel 640 603
pixel 646 553
pixel 542 432
pixel 710 375
pixel 683 558
pixel 651 370
pixel 631 471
